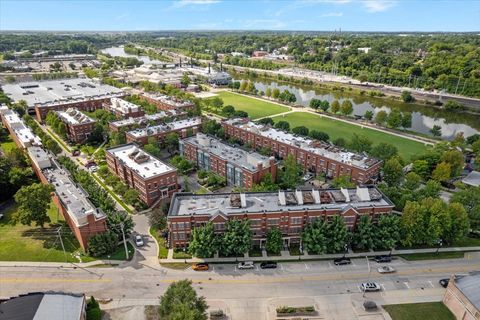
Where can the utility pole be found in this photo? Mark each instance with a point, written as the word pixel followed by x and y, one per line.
pixel 458 82
pixel 124 242
pixel 61 242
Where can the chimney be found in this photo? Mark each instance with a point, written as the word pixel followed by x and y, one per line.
pixel 259 166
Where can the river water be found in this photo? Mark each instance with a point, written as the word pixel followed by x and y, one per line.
pixel 119 52
pixel 423 117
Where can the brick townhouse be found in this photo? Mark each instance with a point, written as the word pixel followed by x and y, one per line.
pixel 313 155
pixel 123 109
pixel 79 125
pixel 21 134
pixel 290 211
pixel 183 128
pixel 163 102
pixel 239 167
pixel 158 118
pixel 152 178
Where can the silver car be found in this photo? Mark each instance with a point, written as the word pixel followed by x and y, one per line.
pixel 370 286
pixel 246 265
pixel 386 269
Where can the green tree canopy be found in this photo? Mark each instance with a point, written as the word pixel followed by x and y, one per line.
pixel 203 243
pixel 180 302
pixel 34 201
pixel 314 237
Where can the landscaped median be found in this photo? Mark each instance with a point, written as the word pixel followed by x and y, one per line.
pixel 60 141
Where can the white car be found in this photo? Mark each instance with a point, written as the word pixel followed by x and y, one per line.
pixel 139 241
pixel 386 269
pixel 246 265
pixel 370 286
pixel 93 169
pixel 307 177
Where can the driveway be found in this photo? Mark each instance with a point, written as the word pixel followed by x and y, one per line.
pixel 147 254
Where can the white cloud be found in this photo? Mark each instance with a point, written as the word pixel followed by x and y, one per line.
pixel 378 5
pixel 183 3
pixel 332 14
pixel 262 24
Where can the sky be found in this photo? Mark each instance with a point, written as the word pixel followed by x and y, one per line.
pixel 315 15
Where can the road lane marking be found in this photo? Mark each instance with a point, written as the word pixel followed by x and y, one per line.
pixel 431 283
pixel 306 266
pixel 383 287
pixel 406 285
pixel 43 280
pixel 330 265
pixel 281 266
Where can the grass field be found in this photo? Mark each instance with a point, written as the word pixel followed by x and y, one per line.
pixel 419 311
pixel 254 107
pixel 433 256
pixel 338 129
pixel 30 243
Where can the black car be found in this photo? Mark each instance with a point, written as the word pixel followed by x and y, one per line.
pixel 268 265
pixel 341 261
pixel 444 282
pixel 383 259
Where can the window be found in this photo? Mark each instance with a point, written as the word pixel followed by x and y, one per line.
pixel 219 226
pixel 312 219
pixel 181 225
pixel 181 236
pixel 296 220
pixel 256 222
pixel 349 220
pixel 273 221
pixel 295 230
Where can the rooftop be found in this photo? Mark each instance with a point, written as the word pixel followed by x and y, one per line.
pixel 139 161
pixel 73 197
pixel 472 179
pixel 469 285
pixel 172 101
pixel 74 117
pixel 59 91
pixel 123 106
pixel 298 200
pixel 24 134
pixel 317 147
pixel 44 305
pixel 40 157
pixel 235 156
pixel 176 125
pixel 144 120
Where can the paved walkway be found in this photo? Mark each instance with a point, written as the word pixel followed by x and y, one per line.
pixel 285 255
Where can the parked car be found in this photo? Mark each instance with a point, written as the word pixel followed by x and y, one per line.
pixel 93 169
pixel 246 265
pixel 370 287
pixel 444 282
pixel 138 241
pixel 386 269
pixel 75 153
pixel 90 163
pixel 268 265
pixel 383 259
pixel 307 177
pixel 341 261
pixel 200 266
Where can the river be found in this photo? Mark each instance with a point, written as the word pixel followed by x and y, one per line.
pixel 423 117
pixel 119 52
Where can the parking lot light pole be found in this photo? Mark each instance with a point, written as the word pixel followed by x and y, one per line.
pixel 369 273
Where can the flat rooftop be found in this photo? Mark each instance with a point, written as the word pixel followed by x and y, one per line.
pixel 469 285
pixel 123 106
pixel 73 197
pixel 317 147
pixel 59 91
pixel 146 165
pixel 168 100
pixel 24 134
pixel 185 204
pixel 144 120
pixel 235 156
pixel 175 125
pixel 73 116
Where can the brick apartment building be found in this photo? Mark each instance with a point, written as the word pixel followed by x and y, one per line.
pixel 161 117
pixel 19 131
pixel 123 109
pixel 462 296
pixel 154 179
pixel 290 211
pixel 314 156
pixel 239 167
pixel 79 125
pixel 163 102
pixel 183 128
pixel 83 218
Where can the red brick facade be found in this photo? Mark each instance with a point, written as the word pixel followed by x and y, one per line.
pixel 164 105
pixel 160 136
pixel 309 160
pixel 79 133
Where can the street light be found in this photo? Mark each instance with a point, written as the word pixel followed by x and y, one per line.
pixel 346 250
pixel 439 243
pixel 369 273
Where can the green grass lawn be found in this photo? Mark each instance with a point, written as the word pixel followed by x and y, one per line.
pixel 433 256
pixel 419 311
pixel 30 243
pixel 338 129
pixel 7 145
pixel 162 250
pixel 120 253
pixel 254 107
pixel 179 254
pixel 467 242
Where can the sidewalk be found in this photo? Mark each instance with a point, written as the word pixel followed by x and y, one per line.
pixel 285 255
pixel 61 264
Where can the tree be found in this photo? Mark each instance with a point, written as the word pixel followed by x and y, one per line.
pixel 387 233
pixel 34 201
pixel 412 181
pixel 250 87
pixel 368 115
pixel 436 131
pixel 300 130
pixel 152 147
pixel 364 233
pixel 157 218
pixel 102 244
pixel 335 106
pixel 421 168
pixel 459 223
pixel 394 119
pixel 407 97
pixel 313 237
pixel 406 120
pixel 228 110
pixel 291 175
pixel 274 242
pixel 336 234
pixel 266 121
pixel 93 310
pixel 237 238
pixel 203 243
pixel 282 125
pixel 319 135
pixel 442 172
pixel 180 302
pixel 470 199
pixel 456 161
pixel 347 107
pixel 324 105
pixel 118 220
pixel 340 142
pixel 216 102
pixel 268 92
pixel 52 145
pixel 211 127
pixel 360 143
pixel 342 182
pixel 315 103
pixel 384 151
pixel 381 117
pixel 171 141
pixel 275 93
pixel 476 147
pixel 392 172
pixel 243 85
pixel 185 80
pixel 131 196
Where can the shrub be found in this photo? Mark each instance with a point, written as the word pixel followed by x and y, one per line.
pixel 102 244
